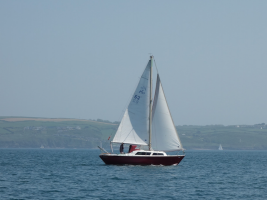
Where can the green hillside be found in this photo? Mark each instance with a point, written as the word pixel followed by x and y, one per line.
pixel 56 133
pixel 253 137
pixel 19 132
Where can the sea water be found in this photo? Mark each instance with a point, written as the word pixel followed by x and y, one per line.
pixel 81 174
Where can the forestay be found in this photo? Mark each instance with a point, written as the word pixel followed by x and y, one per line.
pixel 133 128
pixel 164 134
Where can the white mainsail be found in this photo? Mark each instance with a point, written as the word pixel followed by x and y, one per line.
pixel 133 128
pixel 164 134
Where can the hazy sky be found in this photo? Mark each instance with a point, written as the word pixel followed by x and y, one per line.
pixel 83 59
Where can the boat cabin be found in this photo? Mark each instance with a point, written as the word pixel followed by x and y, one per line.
pixel 148 153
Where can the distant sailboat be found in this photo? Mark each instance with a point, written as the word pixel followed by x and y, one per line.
pixel 220 147
pixel 146 120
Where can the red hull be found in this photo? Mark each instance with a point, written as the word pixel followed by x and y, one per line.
pixel 141 160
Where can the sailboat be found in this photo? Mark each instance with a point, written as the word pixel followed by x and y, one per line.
pixel 220 147
pixel 148 128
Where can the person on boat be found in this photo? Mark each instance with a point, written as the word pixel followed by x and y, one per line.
pixel 121 148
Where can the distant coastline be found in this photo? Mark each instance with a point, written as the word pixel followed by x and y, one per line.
pixel 64 133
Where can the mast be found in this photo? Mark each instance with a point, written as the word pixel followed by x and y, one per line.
pixel 150 105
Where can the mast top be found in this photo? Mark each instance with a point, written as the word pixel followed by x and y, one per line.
pixel 151 57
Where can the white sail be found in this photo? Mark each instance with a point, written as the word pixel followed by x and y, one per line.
pixel 126 133
pixel 220 147
pixel 133 128
pixel 164 134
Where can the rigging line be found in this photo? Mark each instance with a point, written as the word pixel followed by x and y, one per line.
pixel 155 64
pixel 127 135
pixel 155 136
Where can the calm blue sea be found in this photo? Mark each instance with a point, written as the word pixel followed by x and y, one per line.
pixel 81 174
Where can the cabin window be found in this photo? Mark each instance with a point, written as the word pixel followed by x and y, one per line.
pixel 143 153
pixel 157 154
